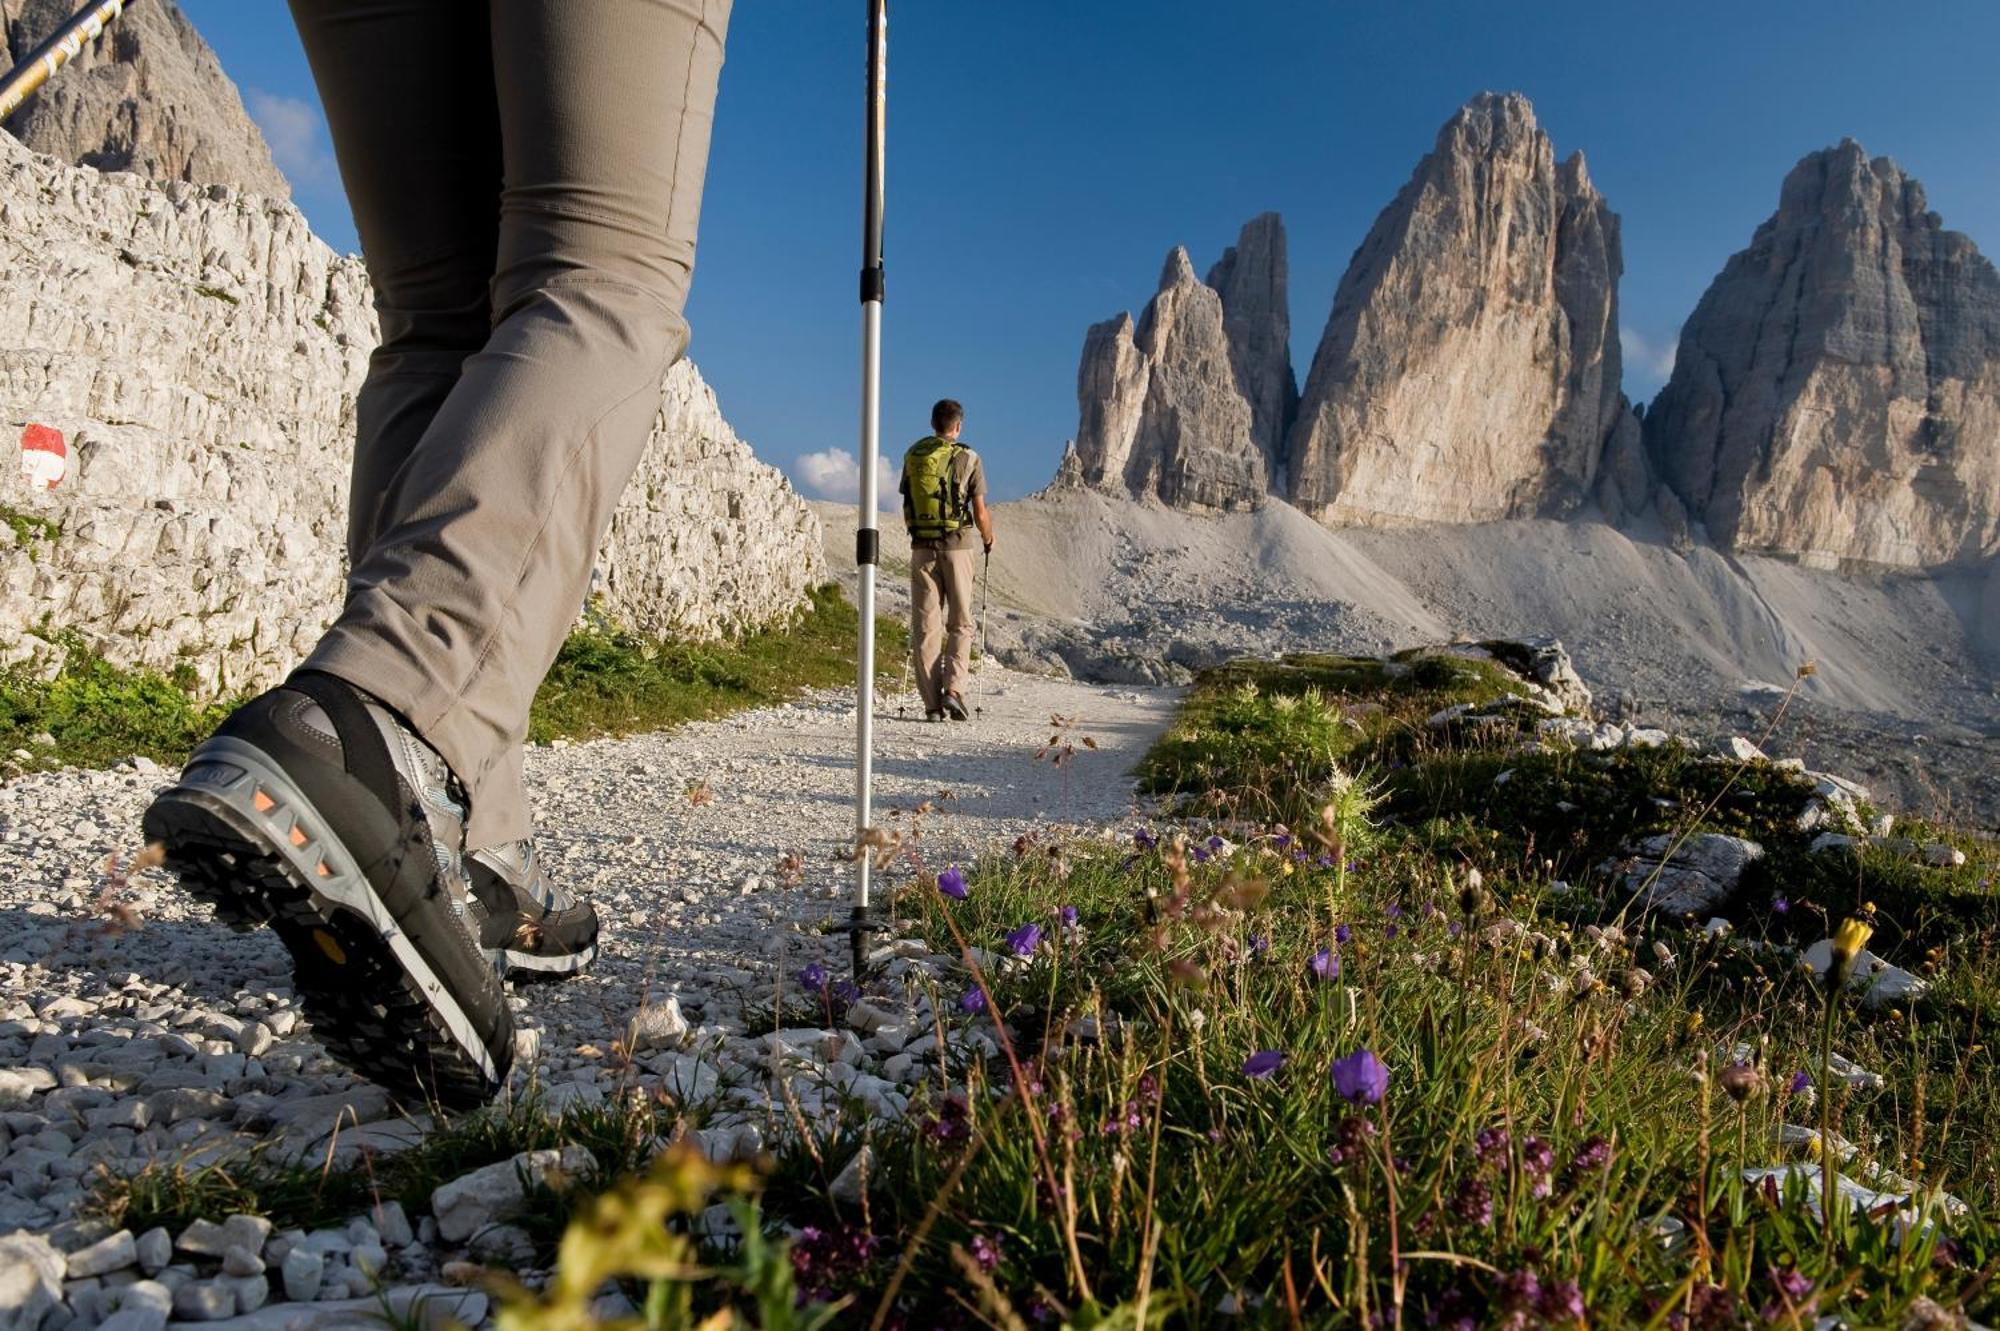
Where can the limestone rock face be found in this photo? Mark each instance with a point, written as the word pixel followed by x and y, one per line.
pixel 1470 369
pixel 1161 414
pixel 201 350
pixel 1251 277
pixel 148 96
pixel 1836 395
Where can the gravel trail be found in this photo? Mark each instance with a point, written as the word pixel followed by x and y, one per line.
pixel 132 1028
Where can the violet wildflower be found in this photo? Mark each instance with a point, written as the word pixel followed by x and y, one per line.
pixel 972 1001
pixel 1361 1078
pixel 1490 1145
pixel 1067 916
pixel 1341 934
pixel 1326 965
pixel 1473 1202
pixel 1518 1291
pixel 1561 1302
pixel 1592 1156
pixel 1024 940
pixel 1795 1294
pixel 986 1252
pixel 1260 1065
pixel 1780 905
pixel 1324 862
pixel 1389 933
pixel 1259 944
pixel 1144 839
pixel 812 976
pixel 845 992
pixel 1393 910
pixel 1538 1162
pixel 1800 1080
pixel 1215 844
pixel 952 883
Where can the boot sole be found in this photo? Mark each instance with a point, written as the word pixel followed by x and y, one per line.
pixel 246 841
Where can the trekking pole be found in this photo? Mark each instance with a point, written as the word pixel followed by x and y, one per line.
pixel 867 540
pixel 63 45
pixel 985 594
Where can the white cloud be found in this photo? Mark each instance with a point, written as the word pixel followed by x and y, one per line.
pixel 297 134
pixel 1652 360
pixel 835 473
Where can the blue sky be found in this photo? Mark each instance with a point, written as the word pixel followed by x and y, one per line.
pixel 1045 155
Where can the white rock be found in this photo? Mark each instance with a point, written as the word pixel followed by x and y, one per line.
pixel 113 1253
pixel 848 1184
pixel 470 1203
pixel 204 1301
pixel 31 1276
pixel 301 1273
pixel 658 1026
pixel 155 1249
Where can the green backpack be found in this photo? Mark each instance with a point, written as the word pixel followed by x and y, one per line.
pixel 933 506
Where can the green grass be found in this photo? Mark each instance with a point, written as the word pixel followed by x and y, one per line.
pixel 29 527
pixel 306 1195
pixel 99 713
pixel 608 682
pixel 1521 1001
pixel 604 682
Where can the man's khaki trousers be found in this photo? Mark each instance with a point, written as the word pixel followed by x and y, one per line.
pixel 525 177
pixel 941 587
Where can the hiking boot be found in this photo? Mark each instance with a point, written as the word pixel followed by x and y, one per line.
pixel 954 707
pixel 315 810
pixel 933 716
pixel 539 931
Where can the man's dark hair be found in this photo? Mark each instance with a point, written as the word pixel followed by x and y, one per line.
pixel 946 414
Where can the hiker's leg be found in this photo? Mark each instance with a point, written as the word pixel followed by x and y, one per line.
pixel 458 609
pixel 926 624
pixel 961 577
pixel 408 91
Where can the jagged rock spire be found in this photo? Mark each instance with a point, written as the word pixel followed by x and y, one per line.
pixel 1470 368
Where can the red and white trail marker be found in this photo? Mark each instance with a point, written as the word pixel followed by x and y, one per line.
pixel 44 457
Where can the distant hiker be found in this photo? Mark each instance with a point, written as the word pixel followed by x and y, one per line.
pixel 944 506
pixel 526 177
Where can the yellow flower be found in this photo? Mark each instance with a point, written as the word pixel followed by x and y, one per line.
pixel 1848 940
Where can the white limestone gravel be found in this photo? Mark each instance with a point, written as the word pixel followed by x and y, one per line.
pixel 132 1028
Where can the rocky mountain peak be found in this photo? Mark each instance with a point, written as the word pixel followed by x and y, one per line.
pixel 1470 369
pixel 1251 277
pixel 148 96
pixel 1165 407
pixel 1836 394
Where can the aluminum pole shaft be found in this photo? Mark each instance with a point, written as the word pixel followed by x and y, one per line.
pixel 63 45
pixel 867 540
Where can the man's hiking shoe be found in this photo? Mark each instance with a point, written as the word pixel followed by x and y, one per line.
pixel 954 707
pixel 933 716
pixel 314 810
pixel 538 930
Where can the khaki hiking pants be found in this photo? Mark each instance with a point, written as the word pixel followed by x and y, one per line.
pixel 525 177
pixel 941 589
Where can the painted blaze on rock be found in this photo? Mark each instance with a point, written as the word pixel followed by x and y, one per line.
pixel 44 457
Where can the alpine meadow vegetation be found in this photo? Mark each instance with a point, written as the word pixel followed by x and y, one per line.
pixel 1365 1028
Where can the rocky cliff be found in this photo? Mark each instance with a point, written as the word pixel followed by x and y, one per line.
pixel 147 96
pixel 1187 407
pixel 201 350
pixel 1252 278
pixel 1837 391
pixel 1470 369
